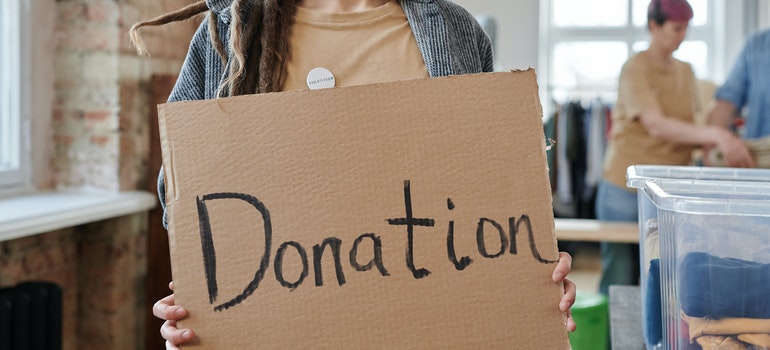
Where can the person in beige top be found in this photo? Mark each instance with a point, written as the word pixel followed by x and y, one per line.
pixel 262 46
pixel 652 123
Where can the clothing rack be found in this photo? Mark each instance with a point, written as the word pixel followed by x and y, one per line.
pixel 580 129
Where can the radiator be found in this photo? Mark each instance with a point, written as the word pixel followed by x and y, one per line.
pixel 30 317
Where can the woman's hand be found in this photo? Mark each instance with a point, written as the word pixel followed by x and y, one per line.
pixel 563 268
pixel 165 309
pixel 734 150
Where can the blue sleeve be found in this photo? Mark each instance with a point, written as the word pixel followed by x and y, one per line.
pixel 736 88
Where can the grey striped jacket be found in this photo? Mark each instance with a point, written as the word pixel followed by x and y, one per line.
pixel 449 38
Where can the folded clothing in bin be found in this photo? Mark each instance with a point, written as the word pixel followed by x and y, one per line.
pixel 653 332
pixel 717 287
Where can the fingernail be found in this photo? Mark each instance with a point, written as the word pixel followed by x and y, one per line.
pixel 179 312
pixel 186 335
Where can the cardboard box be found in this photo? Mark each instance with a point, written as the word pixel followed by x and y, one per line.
pixel 412 214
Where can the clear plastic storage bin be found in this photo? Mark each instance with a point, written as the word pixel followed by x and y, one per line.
pixel 714 241
pixel 649 252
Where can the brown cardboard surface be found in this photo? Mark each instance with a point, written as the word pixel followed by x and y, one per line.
pixel 406 182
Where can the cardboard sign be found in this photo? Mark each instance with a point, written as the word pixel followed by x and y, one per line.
pixel 402 215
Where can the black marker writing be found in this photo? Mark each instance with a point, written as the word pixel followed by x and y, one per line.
pixel 209 256
pixel 513 228
pixel 335 245
pixel 376 259
pixel 450 243
pixel 410 222
pixel 318 251
pixel 278 264
pixel 480 238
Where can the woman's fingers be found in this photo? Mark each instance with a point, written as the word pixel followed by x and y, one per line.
pixel 568 299
pixel 175 336
pixel 563 267
pixel 571 326
pixel 170 346
pixel 165 309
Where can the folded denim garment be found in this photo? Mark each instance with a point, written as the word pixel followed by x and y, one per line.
pixel 716 287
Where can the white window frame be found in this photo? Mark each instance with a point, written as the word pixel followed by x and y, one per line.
pixel 712 33
pixel 764 14
pixel 15 176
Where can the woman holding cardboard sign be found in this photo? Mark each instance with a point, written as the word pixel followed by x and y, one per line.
pixel 653 123
pixel 257 46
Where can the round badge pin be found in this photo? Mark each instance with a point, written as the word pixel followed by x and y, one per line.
pixel 320 78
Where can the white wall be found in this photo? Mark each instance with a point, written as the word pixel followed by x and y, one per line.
pixel 516 46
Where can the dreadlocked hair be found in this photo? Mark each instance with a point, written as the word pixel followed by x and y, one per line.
pixel 184 13
pixel 259 42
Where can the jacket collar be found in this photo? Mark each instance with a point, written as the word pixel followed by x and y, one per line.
pixel 221 8
pixel 430 31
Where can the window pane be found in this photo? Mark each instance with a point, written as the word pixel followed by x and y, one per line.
pixel 640 46
pixel 588 13
pixel 695 53
pixel 587 66
pixel 4 102
pixel 640 12
pixel 700 9
pixel 9 125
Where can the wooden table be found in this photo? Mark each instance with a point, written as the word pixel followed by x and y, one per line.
pixel 586 230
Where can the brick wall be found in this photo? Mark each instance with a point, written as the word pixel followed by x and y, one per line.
pixel 50 257
pixel 100 267
pixel 100 140
pixel 100 132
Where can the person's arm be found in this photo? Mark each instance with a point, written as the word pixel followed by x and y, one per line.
pixel 669 129
pixel 722 114
pixel 736 154
pixel 666 128
pixel 190 85
pixel 730 98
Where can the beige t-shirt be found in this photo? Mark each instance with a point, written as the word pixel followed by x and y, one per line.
pixel 357 48
pixel 644 85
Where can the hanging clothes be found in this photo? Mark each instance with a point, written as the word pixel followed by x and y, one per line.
pixel 576 165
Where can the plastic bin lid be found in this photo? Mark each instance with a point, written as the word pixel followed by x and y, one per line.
pixel 714 197
pixel 636 175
